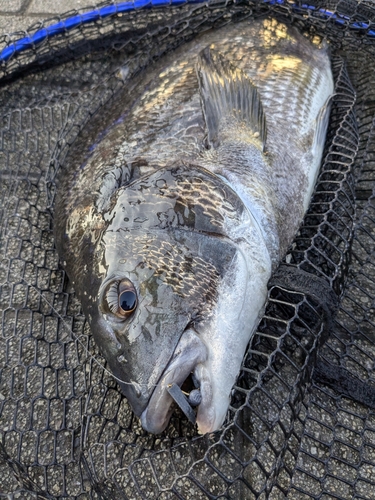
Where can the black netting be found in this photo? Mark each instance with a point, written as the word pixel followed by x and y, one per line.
pixel 66 429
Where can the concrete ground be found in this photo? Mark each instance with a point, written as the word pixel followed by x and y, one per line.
pixel 19 15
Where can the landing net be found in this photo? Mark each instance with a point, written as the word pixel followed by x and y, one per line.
pixel 301 423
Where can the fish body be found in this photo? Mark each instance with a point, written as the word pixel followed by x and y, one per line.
pixel 169 225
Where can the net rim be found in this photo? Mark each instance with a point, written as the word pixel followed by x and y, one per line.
pixel 15 47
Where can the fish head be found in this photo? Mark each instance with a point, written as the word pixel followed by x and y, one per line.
pixel 169 262
pixel 152 302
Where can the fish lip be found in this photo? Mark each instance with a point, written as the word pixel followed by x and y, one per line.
pixel 189 353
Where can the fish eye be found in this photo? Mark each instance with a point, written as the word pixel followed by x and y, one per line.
pixel 128 301
pixel 121 298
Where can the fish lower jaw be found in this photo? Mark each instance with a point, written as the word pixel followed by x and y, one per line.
pixel 207 418
pixel 189 358
pixel 156 416
pixel 211 416
pixel 207 423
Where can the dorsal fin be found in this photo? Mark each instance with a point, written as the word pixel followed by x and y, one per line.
pixel 227 94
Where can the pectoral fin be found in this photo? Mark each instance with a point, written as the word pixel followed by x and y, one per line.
pixel 229 98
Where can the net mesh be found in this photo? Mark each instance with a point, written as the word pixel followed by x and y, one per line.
pixel 301 423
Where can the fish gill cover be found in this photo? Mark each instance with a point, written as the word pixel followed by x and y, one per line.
pixel 301 422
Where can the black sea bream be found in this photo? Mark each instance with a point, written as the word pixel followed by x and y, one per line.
pixel 173 210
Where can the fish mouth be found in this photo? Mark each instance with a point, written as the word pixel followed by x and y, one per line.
pixel 188 358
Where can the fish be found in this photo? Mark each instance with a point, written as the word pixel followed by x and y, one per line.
pixel 178 201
